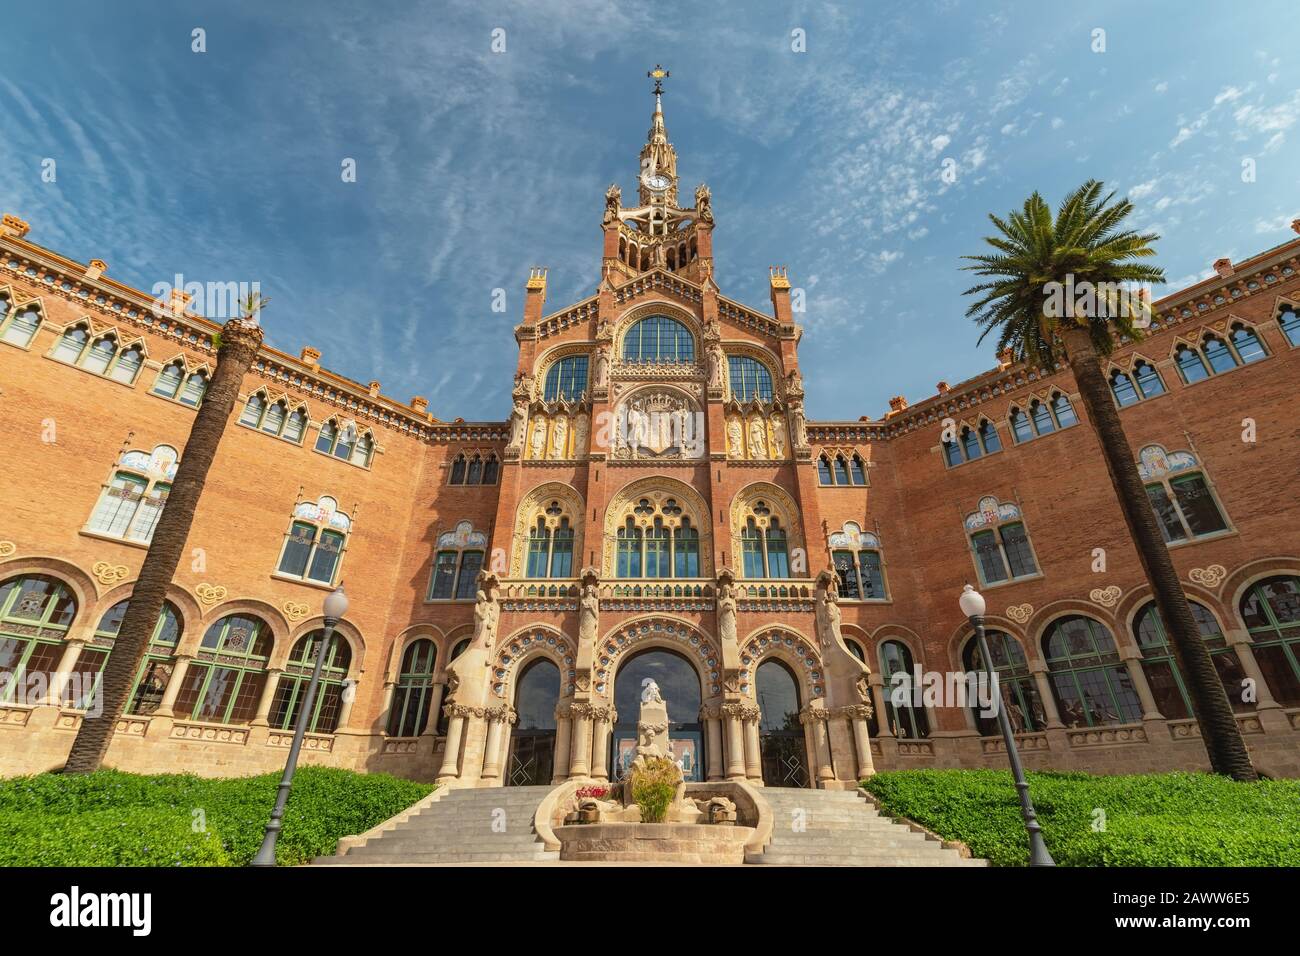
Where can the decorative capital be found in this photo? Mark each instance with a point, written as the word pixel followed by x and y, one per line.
pixel 813 715
pixel 779 278
pixel 536 280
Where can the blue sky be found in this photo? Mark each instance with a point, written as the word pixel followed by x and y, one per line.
pixel 474 165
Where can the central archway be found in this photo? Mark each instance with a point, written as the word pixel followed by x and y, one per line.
pixel 679 685
pixel 781 738
pixel 532 745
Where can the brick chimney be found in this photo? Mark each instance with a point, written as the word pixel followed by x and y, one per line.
pixel 310 356
pixel 96 268
pixel 534 296
pixel 897 404
pixel 374 389
pixel 1006 358
pixel 779 279
pixel 1295 225
pixel 180 299
pixel 11 225
pixel 420 404
pixel 1224 267
pixel 944 388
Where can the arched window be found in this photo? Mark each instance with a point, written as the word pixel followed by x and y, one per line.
pixel 1091 684
pixel 686 551
pixel 781 743
pixel 169 380
pixel 490 469
pixel 188 388
pixel 988 435
pixel 1289 321
pixel 1190 364
pixel 629 550
pixel 35 613
pixel 409 714
pixel 131 503
pixel 1148 379
pixel 566 379
pixel 20 327
pixel 344 443
pixel 1063 411
pixel 1121 386
pixel 313 545
pixel 824 470
pixel 658 339
pixel 1246 344
pixel 656 538
pixel 1000 542
pixel 273 418
pixel 749 378
pixel 856 557
pixel 1271 612
pixel 254 409
pixel 903 707
pixel 1218 355
pixel 778 558
pixel 72 344
pixel 224 682
pixel 128 365
pixel 1166 681
pixel 291 690
pixel 841 470
pixel 1016 683
pixel 1021 430
pixel 763 541
pixel 1184 505
pixel 679 685
pixel 475 474
pixel 857 471
pixel 458 470
pixel 155 670
pixel 752 548
pixel 550 545
pixel 970 444
pixel 456 564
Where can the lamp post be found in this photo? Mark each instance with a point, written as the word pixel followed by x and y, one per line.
pixel 972 605
pixel 335 606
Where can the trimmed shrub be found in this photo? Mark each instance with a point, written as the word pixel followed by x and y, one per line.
pixel 110 818
pixel 1171 819
pixel 653 786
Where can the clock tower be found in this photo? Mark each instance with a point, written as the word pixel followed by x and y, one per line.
pixel 658 233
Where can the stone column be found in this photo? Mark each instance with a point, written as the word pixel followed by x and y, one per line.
pixel 1045 695
pixel 712 720
pixel 856 715
pixel 347 696
pixel 605 718
pixel 268 696
pixel 580 750
pixel 436 693
pixel 63 672
pixel 1239 640
pixel 815 718
pixel 735 743
pixel 496 718
pixel 562 733
pixel 1133 663
pixel 753 754
pixel 166 708
pixel 878 697
pixel 451 754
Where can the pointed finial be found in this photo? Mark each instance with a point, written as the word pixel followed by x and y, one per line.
pixel 658 74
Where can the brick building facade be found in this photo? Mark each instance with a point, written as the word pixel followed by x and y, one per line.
pixel 657 505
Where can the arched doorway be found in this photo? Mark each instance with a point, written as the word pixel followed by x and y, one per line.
pixel 532 745
pixel 780 735
pixel 679 685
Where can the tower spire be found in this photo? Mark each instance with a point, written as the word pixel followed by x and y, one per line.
pixel 658 158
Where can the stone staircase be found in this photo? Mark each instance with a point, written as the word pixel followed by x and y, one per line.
pixel 841 828
pixel 459 829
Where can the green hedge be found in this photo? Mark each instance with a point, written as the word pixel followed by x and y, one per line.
pixel 1171 819
pixel 111 818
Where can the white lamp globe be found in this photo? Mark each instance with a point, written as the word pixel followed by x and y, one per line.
pixel 336 605
pixel 972 602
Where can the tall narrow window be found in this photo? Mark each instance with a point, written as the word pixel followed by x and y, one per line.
pixel 443 584
pixel 35 613
pixel 1218 355
pixel 1148 380
pixel 224 682
pixel 1016 683
pixel 566 379
pixel 475 474
pixel 686 544
pixel 857 472
pixel 291 690
pixel 824 471
pixel 1289 321
pixel 471 562
pixel 1041 417
pixel 253 411
pixel 100 355
pixel 1123 389
pixel 196 386
pixel 71 345
pixel 841 470
pixel 20 326
pixel 989 437
pixel 490 468
pixel 1091 684
pixel 1168 686
pixel 408 716
pixel 1064 412
pixel 169 380
pixel 457 562
pixel 562 550
pixel 629 550
pixel 1190 364
pixel 131 503
pixel 778 559
pixel 970 444
pixel 1020 427
pixel 751 541
pixel 539 550
pixel 658 540
pixel 1246 344
pixel 750 378
pixel 1271 613
pixel 314 544
pixel 907 719
pixel 458 470
pixel 999 542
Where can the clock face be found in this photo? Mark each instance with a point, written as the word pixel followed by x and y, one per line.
pixel 656 181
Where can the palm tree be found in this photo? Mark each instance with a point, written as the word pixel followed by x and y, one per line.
pixel 1021 300
pixel 238 344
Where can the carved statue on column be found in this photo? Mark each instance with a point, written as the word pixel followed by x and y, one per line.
pixel 518 422
pixel 613 202
pixel 828 615
pixel 538 441
pixel 589 615
pixel 735 440
pixel 757 439
pixel 799 425
pixel 559 434
pixel 580 436
pixel 486 613
pixel 727 612
pixel 717 363
pixel 602 367
pixel 704 203
pixel 778 436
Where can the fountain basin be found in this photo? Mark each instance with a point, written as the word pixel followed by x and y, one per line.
pixel 668 843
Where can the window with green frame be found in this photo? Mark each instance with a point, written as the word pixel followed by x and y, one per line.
pixel 658 339
pixel 408 715
pixel 1161 667
pixel 35 614
pixel 550 552
pixel 1016 684
pixel 1091 684
pixel 749 378
pixel 291 690
pixel 313 546
pixel 224 682
pixel 1271 612
pixel 155 670
pixel 905 719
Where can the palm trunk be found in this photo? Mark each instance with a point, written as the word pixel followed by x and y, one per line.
pixel 239 344
pixel 1219 730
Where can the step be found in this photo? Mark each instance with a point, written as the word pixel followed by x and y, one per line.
pixel 469 846
pixel 426 858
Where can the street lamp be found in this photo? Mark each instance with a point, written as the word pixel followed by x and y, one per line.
pixel 335 606
pixel 972 605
